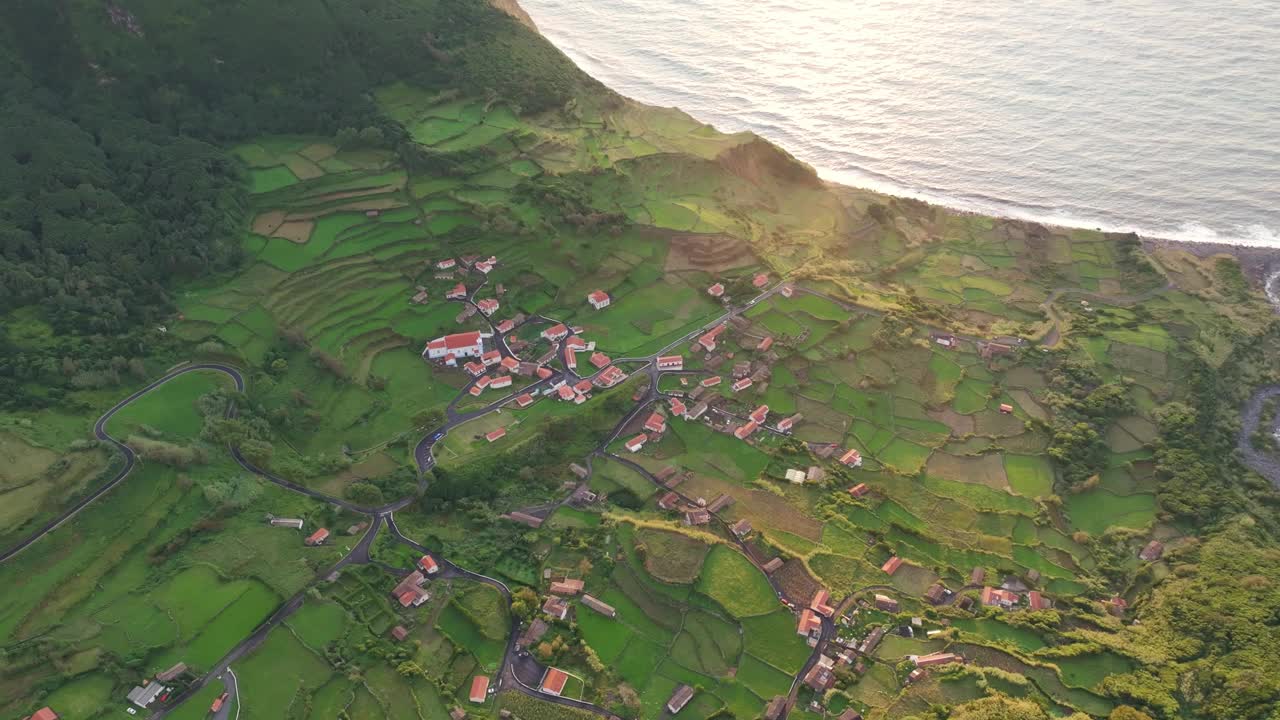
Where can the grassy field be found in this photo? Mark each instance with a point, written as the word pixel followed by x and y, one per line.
pixel 731 580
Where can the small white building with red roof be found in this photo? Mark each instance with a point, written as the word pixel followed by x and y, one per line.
pixel 742 384
pixel 524 400
pixel 610 376
pixel 491 358
pixel 760 280
pixel 711 381
pixel 852 458
pixel 785 424
pixel 499 382
pixel 716 290
pixel 599 299
pixel 474 369
pixel 488 306
pixel 429 565
pixel 655 424
pixel 760 414
pixel 745 431
pixel 446 264
pixel 571 359
pixel 506 326
pixel 495 435
pixel 600 360
pixel 677 406
pixel 509 364
pixel 458 292
pixel 670 362
pixel 637 442
pixel 708 339
pixel 765 344
pixel 556 332
pixel 564 392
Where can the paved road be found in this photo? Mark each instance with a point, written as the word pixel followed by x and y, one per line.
pixel 130 458
pixel 1264 463
pixel 231 686
pixel 358 555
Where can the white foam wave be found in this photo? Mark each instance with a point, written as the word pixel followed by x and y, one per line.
pixel 1191 232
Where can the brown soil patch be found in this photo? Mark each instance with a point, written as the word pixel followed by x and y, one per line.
pixel 295 231
pixel 960 425
pixel 981 470
pixel 759 161
pixel 303 168
pixel 268 222
pixel 796 582
pixel 709 253
pixel 318 152
pixel 388 203
pixel 355 193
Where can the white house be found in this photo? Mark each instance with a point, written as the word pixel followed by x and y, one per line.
pixel 467 344
pixel 599 299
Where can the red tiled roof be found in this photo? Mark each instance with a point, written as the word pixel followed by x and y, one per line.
pixel 600 360
pixel 598 296
pixel 556 331
pixel 524 400
pixel 565 392
pixel 765 344
pixel 677 407
pixel 637 442
pixel 851 457
pixel 891 565
pixel 744 432
pixel 713 380
pixel 319 536
pixel 44 713
pixel 428 564
pixel 553 682
pixel 859 490
pixel 544 373
pixel 510 363
pixel 742 384
pixel 670 360
pixel 479 688
pixel 760 280
pixel 456 341
pixel 760 413
pixel 655 423
pixel 716 290
pixel 583 386
pixel 575 342
pixel 496 434
pixel 506 325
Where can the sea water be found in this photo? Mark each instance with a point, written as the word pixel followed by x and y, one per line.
pixel 1157 116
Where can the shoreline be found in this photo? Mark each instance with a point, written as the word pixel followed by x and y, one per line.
pixel 1254 253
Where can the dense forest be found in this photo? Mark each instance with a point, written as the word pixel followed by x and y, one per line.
pixel 114 180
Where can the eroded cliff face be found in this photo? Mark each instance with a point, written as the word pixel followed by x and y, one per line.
pixel 512 8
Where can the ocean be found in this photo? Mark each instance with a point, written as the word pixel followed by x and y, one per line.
pixel 1155 116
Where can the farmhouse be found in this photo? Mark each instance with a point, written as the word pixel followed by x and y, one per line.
pixel 479 689
pixel 656 423
pixel 399 633
pixel 720 503
pixel 742 384
pixel 765 344
pixel 820 603
pixel 295 523
pixel 556 332
pixel 570 359
pixel 785 424
pixel 532 521
pixel 936 593
pixel 506 326
pixel 891 565
pixel 668 501
pixel 859 490
pixel 420 297
pixel 488 306
pixel 886 603
pixel 852 458
pixel 460 345
pixel 743 432
pixel 486 266
pixel 599 299
pixel 1152 552
pixel 760 281
pixel 708 339
pixel 473 368
pixel 458 292
pixel 670 362
pixel 939 658
pixel 796 477
pixel 318 537
pixel 498 382
pixel 716 290
pixel 820 677
pixel 509 364
pixel 1006 408
pixel 600 360
pixel 809 622
pixel 44 713
pixel 481 384
pixel 446 264
pixel 495 435
pixel 556 608
pixel 1036 601
pixel 146 694
pixel 409 591
pixel 566 587
pixel 524 400
pixel 760 414
pixel 600 607
pixel 679 699
pixel 742 528
pixel 553 681
pixel 998 597
pixel 565 392
pixel 636 443
pixel 678 407
pixel 697 517
pixel 610 376
pixel 574 342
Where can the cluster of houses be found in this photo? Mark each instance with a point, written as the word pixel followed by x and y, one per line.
pixel 410 593
pixel 698 511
